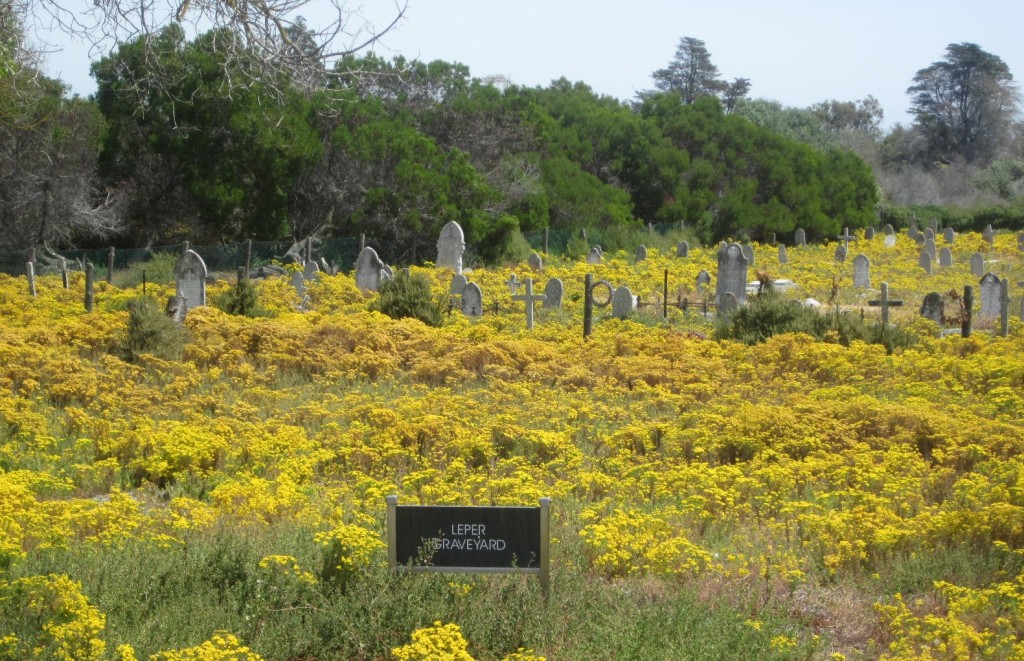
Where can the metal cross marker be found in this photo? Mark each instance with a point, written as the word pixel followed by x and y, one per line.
pixel 513 284
pixel 529 298
pixel 846 237
pixel 885 303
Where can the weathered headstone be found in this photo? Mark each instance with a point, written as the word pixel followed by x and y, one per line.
pixel 800 237
pixel 840 255
pixel 783 256
pixel 298 283
pixel 530 299
pixel 535 262
pixel 450 246
pixel 945 257
pixel 594 256
pixel 929 247
pixel 513 283
pixel 641 253
pixel 748 252
pixel 623 302
pixel 459 283
pixel 371 271
pixel 889 231
pixel 862 271
pixel 176 309
pixel 933 225
pixel 472 300
pixel 912 230
pixel 732 273
pixel 890 240
pixel 977 265
pixel 703 278
pixel 990 289
pixel 948 236
pixel 729 303
pixel 553 293
pixel 682 249
pixel 929 234
pixel 933 307
pixel 988 234
pixel 190 279
pixel 925 262
pixel 311 270
pixel 869 233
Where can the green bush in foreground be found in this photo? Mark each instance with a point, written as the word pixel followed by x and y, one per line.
pixel 409 296
pixel 151 331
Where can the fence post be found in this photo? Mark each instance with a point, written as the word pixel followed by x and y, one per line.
pixel 64 272
pixel 965 325
pixel 588 306
pixel 248 257
pixel 30 255
pixel 110 265
pixel 30 272
pixel 545 240
pixel 89 278
pixel 664 298
pixel 309 250
pixel 1004 308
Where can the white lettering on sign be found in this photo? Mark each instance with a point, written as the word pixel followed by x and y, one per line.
pixel 468 529
pixel 469 544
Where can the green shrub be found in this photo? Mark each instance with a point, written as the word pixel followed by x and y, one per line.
pixel 240 300
pixel 504 243
pixel 410 296
pixel 151 331
pixel 158 270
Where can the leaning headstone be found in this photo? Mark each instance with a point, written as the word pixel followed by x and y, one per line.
pixel 190 279
pixel 535 262
pixel 623 302
pixel 929 247
pixel 977 265
pixel 840 255
pixel 861 271
pixel 988 234
pixel 176 309
pixel 594 256
pixel 945 257
pixel 553 293
pixel 472 300
pixel 682 249
pixel 703 278
pixel 783 257
pixel 869 233
pixel 748 252
pixel 989 286
pixel 310 270
pixel 450 246
pixel 933 307
pixel 459 283
pixel 732 273
pixel 371 271
pixel 641 253
pixel 948 236
pixel 298 283
pixel 925 262
pixel 800 237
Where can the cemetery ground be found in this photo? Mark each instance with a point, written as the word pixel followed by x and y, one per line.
pixel 793 498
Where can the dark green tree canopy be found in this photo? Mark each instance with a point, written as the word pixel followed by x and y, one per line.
pixel 691 75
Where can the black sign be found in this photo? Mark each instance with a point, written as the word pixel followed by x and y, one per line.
pixel 480 537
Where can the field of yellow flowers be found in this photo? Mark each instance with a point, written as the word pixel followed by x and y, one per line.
pixel 790 499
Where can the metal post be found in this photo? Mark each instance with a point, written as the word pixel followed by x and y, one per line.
pixel 1004 308
pixel 545 551
pixel 89 278
pixel 110 265
pixel 965 325
pixel 392 502
pixel 64 272
pixel 588 306
pixel 885 304
pixel 664 297
pixel 248 257
pixel 143 282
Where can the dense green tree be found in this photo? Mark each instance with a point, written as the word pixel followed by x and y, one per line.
pixel 691 75
pixel 964 105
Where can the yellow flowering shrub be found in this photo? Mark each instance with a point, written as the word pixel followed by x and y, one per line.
pixel 48 618
pixel 222 646
pixel 439 642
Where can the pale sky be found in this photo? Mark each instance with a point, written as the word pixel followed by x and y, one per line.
pixel 798 52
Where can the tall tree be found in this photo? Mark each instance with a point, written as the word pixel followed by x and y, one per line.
pixel 964 105
pixel 690 74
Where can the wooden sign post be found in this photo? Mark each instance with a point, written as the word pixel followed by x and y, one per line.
pixel 471 540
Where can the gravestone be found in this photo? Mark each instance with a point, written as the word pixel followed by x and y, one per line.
pixel 948 235
pixel 988 234
pixel 623 302
pixel 862 271
pixel 929 247
pixel 771 238
pixel 945 257
pixel 310 270
pixel 513 283
pixel 190 279
pixel 885 303
pixel 703 278
pixel 535 262
pixel 840 255
pixel 928 234
pixel 912 230
pixel 925 262
pixel 732 273
pixel 933 225
pixel 783 257
pixel 846 237
pixel 748 252
pixel 594 256
pixel 869 233
pixel 729 303
pixel 890 240
pixel 889 231
pixel 472 300
pixel 641 253
pixel 530 299
pixel 371 271
pixel 977 265
pixel 176 309
pixel 682 249
pixel 553 293
pixel 299 283
pixel 459 283
pixel 800 237
pixel 933 307
pixel 450 246
pixel 989 286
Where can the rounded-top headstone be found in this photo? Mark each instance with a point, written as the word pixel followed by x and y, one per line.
pixel 472 300
pixel 190 279
pixel 623 302
pixel 370 270
pixel 800 237
pixel 869 233
pixel 459 283
pixel 641 253
pixel 553 293
pixel 594 256
pixel 450 245
pixel 682 249
pixel 535 262
pixel 732 273
pixel 783 256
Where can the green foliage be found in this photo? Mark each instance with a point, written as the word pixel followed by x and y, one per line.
pixel 241 300
pixel 158 270
pixel 410 296
pixel 769 314
pixel 151 331
pixel 504 243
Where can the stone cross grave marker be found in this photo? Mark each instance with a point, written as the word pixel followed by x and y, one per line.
pixel 472 300
pixel 799 237
pixel 623 302
pixel 513 283
pixel 949 236
pixel 885 303
pixel 535 262
pixel 846 237
pixel 553 293
pixel 732 273
pixel 682 249
pixel 933 307
pixel 862 271
pixel 945 257
pixel 530 299
pixel 783 256
pixel 641 253
pixel 190 279
pixel 990 290
pixel 977 265
pixel 450 245
pixel 371 271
